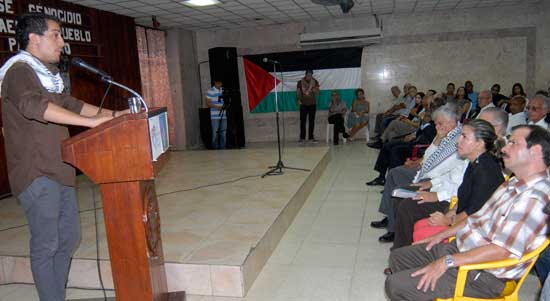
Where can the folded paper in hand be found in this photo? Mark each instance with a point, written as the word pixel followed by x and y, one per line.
pixel 403 193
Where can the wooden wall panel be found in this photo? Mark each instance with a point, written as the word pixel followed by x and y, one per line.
pixel 112 48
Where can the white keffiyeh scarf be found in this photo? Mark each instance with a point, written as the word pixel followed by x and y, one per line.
pixel 51 82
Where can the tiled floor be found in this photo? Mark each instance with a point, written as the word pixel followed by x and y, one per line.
pixel 329 252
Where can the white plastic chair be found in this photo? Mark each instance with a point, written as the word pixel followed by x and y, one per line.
pixel 330 133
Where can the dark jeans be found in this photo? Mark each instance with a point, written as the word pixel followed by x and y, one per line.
pixel 52 213
pixel 307 112
pixel 338 121
pixel 218 139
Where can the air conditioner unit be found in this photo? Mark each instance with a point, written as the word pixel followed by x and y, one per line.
pixel 368 35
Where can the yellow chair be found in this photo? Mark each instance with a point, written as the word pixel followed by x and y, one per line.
pixel 511 290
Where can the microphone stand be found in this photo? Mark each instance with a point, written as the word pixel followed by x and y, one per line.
pixel 277 169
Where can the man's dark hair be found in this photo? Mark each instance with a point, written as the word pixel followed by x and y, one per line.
pixel 309 71
pixel 450 84
pixel 540 136
pixel 496 85
pixel 31 23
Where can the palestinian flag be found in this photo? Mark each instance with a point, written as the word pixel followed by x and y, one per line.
pixel 335 69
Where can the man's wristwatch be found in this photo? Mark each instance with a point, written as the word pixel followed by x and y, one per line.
pixel 449 262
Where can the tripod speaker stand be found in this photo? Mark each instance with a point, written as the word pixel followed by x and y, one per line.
pixel 277 169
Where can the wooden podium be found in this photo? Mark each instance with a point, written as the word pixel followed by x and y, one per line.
pixel 118 155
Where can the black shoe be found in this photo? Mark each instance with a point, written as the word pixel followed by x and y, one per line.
pixel 388 237
pixel 380 224
pixel 382 191
pixel 376 182
pixel 345 135
pixel 376 145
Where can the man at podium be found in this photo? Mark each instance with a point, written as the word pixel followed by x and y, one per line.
pixel 35 114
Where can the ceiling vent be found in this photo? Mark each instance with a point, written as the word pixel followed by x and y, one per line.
pixel 359 36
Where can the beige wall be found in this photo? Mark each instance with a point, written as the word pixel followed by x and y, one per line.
pixel 184 83
pixel 485 45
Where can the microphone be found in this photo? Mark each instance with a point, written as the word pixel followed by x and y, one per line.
pixel 80 63
pixel 266 60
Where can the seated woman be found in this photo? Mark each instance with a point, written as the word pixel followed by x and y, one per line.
pixel 405 125
pixel 481 178
pixel 517 90
pixel 359 115
pixel 462 101
pixel 336 112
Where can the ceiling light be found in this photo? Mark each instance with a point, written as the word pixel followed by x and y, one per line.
pixel 200 2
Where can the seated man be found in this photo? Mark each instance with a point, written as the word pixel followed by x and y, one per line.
pixel 537 109
pixel 510 224
pixel 336 112
pixel 441 164
pixel 395 153
pixel 517 114
pixel 397 109
pixel 484 102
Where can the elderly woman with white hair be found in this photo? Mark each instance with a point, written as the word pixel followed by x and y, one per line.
pixel 441 165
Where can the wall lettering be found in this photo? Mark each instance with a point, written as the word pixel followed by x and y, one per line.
pixel 6 6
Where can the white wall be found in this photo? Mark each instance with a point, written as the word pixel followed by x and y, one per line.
pixel 485 45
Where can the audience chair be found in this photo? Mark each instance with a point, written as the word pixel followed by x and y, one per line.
pixel 366 130
pixel 416 149
pixel 511 290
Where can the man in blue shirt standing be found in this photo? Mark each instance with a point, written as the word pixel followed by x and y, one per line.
pixel 214 100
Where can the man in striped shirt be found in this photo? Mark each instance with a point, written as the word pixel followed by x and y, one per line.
pixel 214 101
pixel 510 224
